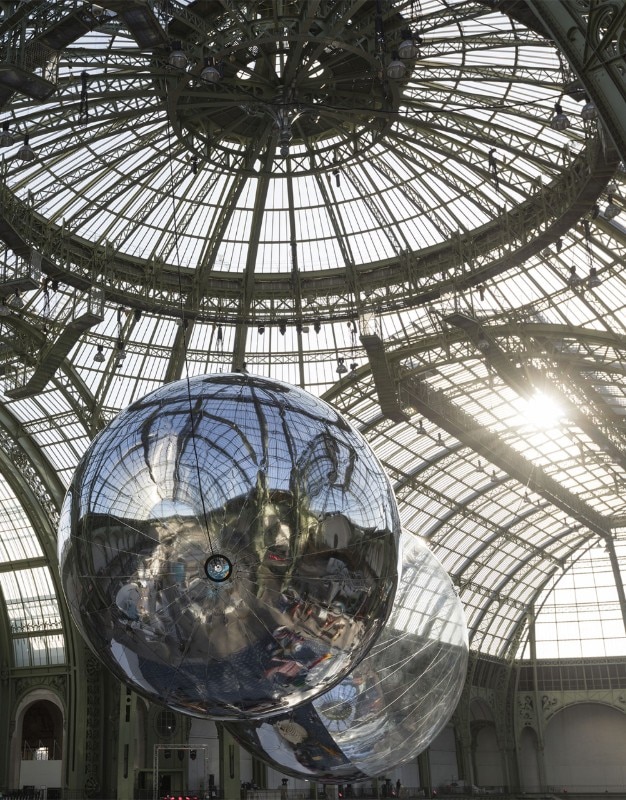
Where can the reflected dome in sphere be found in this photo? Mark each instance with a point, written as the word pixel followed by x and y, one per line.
pixel 393 704
pixel 229 546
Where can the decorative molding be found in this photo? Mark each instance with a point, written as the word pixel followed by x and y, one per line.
pixel 31 477
pixel 526 710
pixel 93 672
pixel 550 704
pixel 55 683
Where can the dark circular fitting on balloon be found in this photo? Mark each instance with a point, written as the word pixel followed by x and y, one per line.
pixel 218 568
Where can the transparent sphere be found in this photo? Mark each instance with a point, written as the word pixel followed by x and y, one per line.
pixel 393 704
pixel 229 546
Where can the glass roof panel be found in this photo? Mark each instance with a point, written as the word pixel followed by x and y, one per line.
pixel 236 227
pixel 30 600
pixel 39 651
pixel 578 613
pixel 18 540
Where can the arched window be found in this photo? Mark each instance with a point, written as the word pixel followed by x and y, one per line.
pixel 42 732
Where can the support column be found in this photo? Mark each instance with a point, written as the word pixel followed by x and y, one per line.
pixel 466 767
pixel 541 763
pixel 6 702
pixel 423 763
pixel 465 762
pixel 617 575
pixel 126 743
pixel 230 781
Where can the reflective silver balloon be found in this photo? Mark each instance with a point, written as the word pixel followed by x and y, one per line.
pixel 395 701
pixel 229 546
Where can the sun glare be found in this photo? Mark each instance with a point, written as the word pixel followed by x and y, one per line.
pixel 542 411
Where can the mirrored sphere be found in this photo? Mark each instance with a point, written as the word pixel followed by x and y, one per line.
pixel 393 704
pixel 229 546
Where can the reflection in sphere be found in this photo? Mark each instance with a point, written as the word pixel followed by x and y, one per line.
pixel 393 704
pixel 229 546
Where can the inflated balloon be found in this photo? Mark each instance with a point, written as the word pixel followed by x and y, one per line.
pixel 229 546
pixel 395 701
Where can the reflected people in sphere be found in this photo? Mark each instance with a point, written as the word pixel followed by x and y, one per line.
pixel 229 546
pixel 393 703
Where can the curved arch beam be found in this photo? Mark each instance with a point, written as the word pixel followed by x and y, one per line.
pixel 592 45
pixel 406 281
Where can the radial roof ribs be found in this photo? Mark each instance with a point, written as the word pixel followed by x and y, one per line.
pixel 434 405
pixel 415 278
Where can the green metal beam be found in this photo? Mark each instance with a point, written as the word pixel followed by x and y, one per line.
pixel 591 42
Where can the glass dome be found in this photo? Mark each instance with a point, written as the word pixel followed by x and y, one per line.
pixel 370 201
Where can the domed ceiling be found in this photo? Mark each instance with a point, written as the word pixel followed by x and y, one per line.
pixel 396 205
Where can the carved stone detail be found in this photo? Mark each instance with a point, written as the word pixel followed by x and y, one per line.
pixel 526 709
pixel 56 683
pixel 550 704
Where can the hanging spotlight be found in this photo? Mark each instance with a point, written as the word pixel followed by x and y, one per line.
pixel 99 356
pixel 341 367
pixel 177 57
pixel 4 309
pixel 589 112
pixel 396 69
pixel 611 210
pixel 483 343
pixel 261 330
pixel 407 49
pixel 26 152
pixel 121 353
pixel 210 73
pixel 560 120
pixel 574 280
pixel 285 135
pixel 16 300
pixel 317 326
pixel 282 328
pixel 6 137
pixel 594 279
